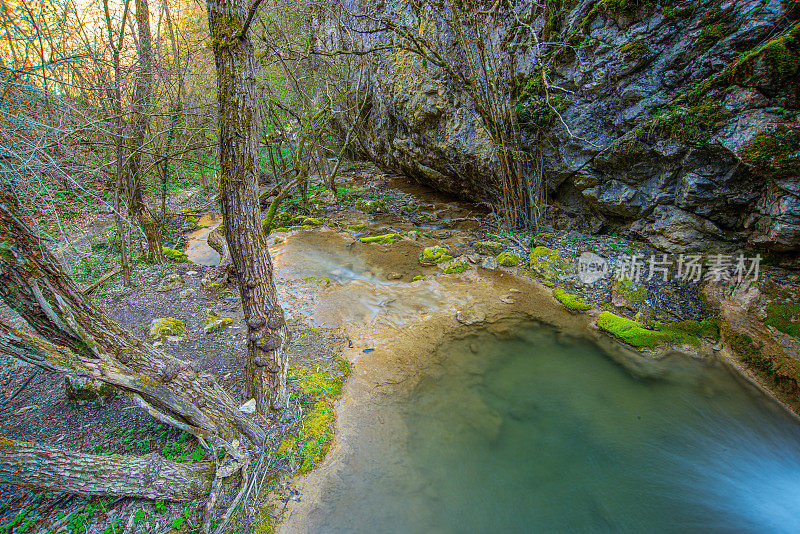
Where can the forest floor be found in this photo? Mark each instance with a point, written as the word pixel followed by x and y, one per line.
pixel 306 252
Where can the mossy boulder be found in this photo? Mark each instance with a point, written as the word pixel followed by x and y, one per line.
pixel 488 248
pixel 433 255
pixel 214 321
pixel 548 263
pixel 508 259
pixel 318 280
pixel 637 335
pixel 175 255
pixel 166 326
pixel 570 301
pixel 382 239
pixel 356 226
pixel 371 206
pixel 627 294
pixel 170 282
pixel 458 265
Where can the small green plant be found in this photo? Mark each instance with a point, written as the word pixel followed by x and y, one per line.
pixel 160 507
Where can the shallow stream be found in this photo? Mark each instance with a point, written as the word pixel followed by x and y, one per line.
pixel 536 431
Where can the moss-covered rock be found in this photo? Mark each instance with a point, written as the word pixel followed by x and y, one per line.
pixel 371 206
pixel 166 326
pixel 626 293
pixel 548 263
pixel 489 248
pixel 356 226
pixel 214 321
pixel 318 280
pixel 570 301
pixel 175 255
pixel 458 265
pixel 382 239
pixel 433 255
pixel 635 334
pixel 508 259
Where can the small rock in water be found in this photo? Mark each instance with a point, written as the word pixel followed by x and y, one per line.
pixel 157 344
pixel 507 300
pixel 470 316
pixel 474 258
pixel 191 272
pixel 514 290
pixel 489 263
pixel 248 407
pixel 394 276
pixel 174 338
pixel 278 240
pixel 170 282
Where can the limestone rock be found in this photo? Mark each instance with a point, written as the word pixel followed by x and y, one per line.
pixel 470 316
pixel 170 282
pixel 248 407
pixel 214 321
pixel 489 263
pixel 488 248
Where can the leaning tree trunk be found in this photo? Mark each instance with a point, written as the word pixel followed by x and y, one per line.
pixel 146 477
pixel 82 340
pixel 141 108
pixel 240 164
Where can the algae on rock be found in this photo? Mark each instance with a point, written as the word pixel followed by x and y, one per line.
pixel 166 326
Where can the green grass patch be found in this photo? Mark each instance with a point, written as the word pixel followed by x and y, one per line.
pixel 572 302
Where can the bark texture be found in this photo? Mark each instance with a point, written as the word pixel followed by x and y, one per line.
pixel 147 477
pixel 84 341
pixel 141 108
pixel 240 169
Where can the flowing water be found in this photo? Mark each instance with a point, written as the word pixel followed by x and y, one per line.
pixel 536 431
pixel 197 249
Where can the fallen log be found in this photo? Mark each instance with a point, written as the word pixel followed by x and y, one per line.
pixel 147 477
pixel 94 285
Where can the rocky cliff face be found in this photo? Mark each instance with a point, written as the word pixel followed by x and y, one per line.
pixel 680 122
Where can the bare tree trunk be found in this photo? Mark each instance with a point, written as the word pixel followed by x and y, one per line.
pixel 267 334
pixel 83 340
pixel 141 107
pixel 147 477
pixel 116 107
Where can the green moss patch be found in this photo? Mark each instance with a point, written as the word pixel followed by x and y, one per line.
pixel 458 265
pixel 166 326
pixel 175 255
pixel 548 263
pixel 318 389
pixel 508 259
pixel 784 317
pixel 635 334
pixel 749 352
pixel 488 248
pixel 635 49
pixel 382 239
pixel 572 302
pixel 433 255
pixel 356 226
pixel 632 292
